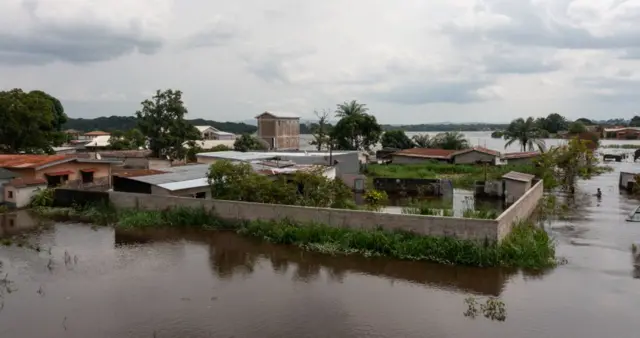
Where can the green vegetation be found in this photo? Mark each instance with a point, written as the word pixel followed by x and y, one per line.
pixel 42 198
pixel 527 246
pixel 526 133
pixel 375 200
pixel 321 131
pixel 30 122
pixel 462 176
pixel 429 208
pixel 248 142
pixel 396 139
pixel 128 140
pixel 356 130
pixel 481 214
pixel 239 182
pixel 113 123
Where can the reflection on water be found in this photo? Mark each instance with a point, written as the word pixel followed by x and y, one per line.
pixel 202 284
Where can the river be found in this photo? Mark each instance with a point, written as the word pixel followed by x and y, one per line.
pixel 98 282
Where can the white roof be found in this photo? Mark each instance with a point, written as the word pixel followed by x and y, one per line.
pixel 195 183
pixel 252 156
pixel 99 141
pixel 208 144
pixel 203 128
pixel 282 115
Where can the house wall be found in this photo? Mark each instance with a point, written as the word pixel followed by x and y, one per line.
pixel 521 161
pixel 395 159
pixel 103 170
pixel 625 178
pixel 515 189
pixel 267 130
pixel 3 181
pixel 474 229
pixel 521 209
pixel 288 134
pixel 21 196
pixel 472 157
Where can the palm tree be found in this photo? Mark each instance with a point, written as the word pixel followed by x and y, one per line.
pixel 422 140
pixel 351 108
pixel 526 132
pixel 451 140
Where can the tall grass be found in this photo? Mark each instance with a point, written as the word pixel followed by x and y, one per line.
pixel 526 247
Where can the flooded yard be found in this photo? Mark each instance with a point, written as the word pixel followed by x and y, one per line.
pixel 72 280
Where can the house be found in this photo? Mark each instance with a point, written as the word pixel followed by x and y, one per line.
pixel 93 134
pixel 280 130
pixel 521 157
pixel 623 133
pixel 212 133
pixel 5 177
pixel 19 191
pixel 56 170
pixel 421 155
pixel 133 159
pixel 475 155
pixel 99 142
pixel 516 184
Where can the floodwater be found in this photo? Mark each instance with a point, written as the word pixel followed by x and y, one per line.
pixel 95 282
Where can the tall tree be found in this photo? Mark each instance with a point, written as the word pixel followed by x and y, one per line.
pixel 248 142
pixel 554 123
pixel 27 122
pixel 161 120
pixel 422 140
pixel 131 139
pixel 585 121
pixel 635 121
pixel 320 131
pixel 577 127
pixel 351 108
pixel 526 133
pixel 396 139
pixel 356 130
pixel 451 140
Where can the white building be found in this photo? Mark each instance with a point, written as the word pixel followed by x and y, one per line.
pixel 212 133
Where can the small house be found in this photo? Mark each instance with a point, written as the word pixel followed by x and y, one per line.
pixel 516 184
pixel 212 133
pixel 19 191
pixel 521 157
pixel 475 155
pixel 5 177
pixel 280 130
pixel 421 155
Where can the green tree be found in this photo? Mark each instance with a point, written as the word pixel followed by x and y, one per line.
pixel 451 140
pixel 351 108
pixel 526 133
pixel 356 129
pixel 563 165
pixel 497 134
pixel 396 139
pixel 577 128
pixel 28 122
pixel 585 121
pixel 247 142
pixel 422 140
pixel 161 120
pixel 131 139
pixel 320 131
pixel 555 123
pixel 635 121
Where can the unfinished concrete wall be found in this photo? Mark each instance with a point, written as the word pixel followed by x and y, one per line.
pixel 520 210
pixel 474 229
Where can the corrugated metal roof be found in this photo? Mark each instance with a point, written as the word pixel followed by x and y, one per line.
pixel 190 184
pixel 478 149
pixel 99 141
pixel 175 174
pixel 7 174
pixel 29 161
pixel 518 176
pixel 281 115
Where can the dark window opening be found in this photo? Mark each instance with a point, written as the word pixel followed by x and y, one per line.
pixel 87 177
pixel 10 194
pixel 200 195
pixel 54 181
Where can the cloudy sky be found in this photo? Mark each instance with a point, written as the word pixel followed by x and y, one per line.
pixel 410 61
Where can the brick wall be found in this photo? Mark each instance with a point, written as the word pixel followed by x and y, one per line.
pixel 427 225
pixel 521 209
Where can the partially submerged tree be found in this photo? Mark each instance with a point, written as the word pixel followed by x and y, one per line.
pixel 162 121
pixel 396 139
pixel 30 122
pixel 524 132
pixel 562 166
pixel 248 142
pixel 356 129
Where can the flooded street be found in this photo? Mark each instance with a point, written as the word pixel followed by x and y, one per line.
pixel 96 282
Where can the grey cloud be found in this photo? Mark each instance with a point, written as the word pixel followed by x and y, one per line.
pixel 271 66
pixel 513 64
pixel 440 92
pixel 73 42
pixel 219 34
pixel 631 54
pixel 530 24
pixel 611 89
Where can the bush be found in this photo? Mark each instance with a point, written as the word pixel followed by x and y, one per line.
pixel 376 200
pixel 42 198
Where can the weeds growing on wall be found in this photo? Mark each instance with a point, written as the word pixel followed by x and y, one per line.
pixel 527 246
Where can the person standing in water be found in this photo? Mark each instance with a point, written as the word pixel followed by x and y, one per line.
pixel 599 193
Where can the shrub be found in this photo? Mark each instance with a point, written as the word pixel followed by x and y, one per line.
pixel 42 198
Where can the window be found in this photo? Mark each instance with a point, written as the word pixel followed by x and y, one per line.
pixel 202 195
pixel 9 194
pixel 87 177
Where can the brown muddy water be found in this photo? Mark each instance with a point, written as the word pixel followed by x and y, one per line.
pixel 96 282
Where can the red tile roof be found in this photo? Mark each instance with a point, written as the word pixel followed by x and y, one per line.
pixel 526 154
pixel 25 182
pixel 28 161
pixel 478 149
pixel 425 153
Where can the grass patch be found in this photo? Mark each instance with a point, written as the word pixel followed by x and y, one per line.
pixel 461 175
pixel 526 247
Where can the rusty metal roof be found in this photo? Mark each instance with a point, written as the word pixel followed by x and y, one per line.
pixel 518 176
pixel 29 161
pixel 425 153
pixel 26 182
pixel 478 149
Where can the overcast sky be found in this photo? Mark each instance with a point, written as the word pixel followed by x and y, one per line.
pixel 410 61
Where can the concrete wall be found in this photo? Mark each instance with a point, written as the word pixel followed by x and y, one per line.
pixel 472 157
pixel 521 209
pixel 20 197
pixel 521 161
pixel 625 178
pixel 515 189
pixel 2 183
pixel 474 229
